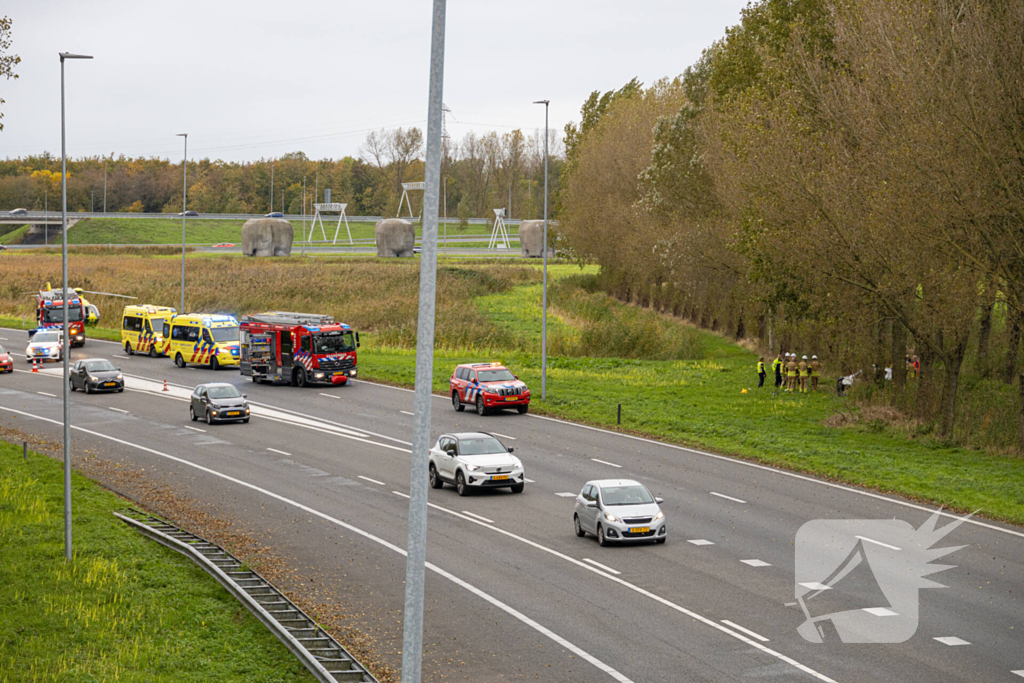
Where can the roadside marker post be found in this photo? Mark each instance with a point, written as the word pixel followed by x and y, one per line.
pixel 618 420
pixel 24 450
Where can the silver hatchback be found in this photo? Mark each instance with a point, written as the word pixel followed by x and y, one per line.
pixel 218 402
pixel 618 510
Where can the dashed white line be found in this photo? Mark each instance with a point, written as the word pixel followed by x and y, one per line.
pixel 4 338
pixel 406 412
pixel 1019 672
pixel 605 462
pixel 118 410
pixel 745 630
pixel 880 611
pixel 815 586
pixel 602 566
pixel 399 493
pixel 117 356
pixel 481 518
pixel 504 436
pixel 566 494
pixel 952 640
pixel 43 393
pixel 871 540
pixel 329 395
pixel 529 481
pixel 722 495
pixel 372 480
pixel 195 429
pixel 274 450
pixel 701 541
pixel 756 563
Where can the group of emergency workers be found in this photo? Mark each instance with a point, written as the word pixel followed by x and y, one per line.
pixel 796 373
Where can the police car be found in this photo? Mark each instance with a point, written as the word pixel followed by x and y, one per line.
pixel 489 387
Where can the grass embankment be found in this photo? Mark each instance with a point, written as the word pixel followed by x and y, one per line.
pixel 125 608
pixel 12 234
pixel 209 231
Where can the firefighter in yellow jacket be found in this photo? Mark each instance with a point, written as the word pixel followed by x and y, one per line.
pixel 815 372
pixel 791 373
pixel 804 372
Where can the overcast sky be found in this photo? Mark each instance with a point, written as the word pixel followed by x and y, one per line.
pixel 260 78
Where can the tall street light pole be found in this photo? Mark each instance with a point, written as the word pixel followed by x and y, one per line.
pixel 416 546
pixel 184 196
pixel 271 188
pixel 65 343
pixel 303 215
pixel 46 213
pixel 544 304
pixel 104 187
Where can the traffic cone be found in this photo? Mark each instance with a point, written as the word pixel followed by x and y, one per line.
pixel 165 385
pixel 35 365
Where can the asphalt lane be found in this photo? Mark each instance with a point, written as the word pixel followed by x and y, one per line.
pixel 529 560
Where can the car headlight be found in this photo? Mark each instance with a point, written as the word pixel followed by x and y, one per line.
pixel 93 379
pixel 610 517
pixel 660 515
pixel 472 468
pixel 214 413
pixel 517 463
pixel 120 376
pixel 246 411
pixel 319 375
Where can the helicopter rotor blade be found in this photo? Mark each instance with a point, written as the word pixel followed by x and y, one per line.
pixel 123 296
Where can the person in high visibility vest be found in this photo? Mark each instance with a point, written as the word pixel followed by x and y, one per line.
pixel 815 372
pixel 777 370
pixel 804 372
pixel 791 373
pixel 760 372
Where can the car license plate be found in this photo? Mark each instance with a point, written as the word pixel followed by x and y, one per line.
pixel 640 530
pixel 110 384
pixel 499 477
pixel 234 413
pixel 511 398
pixel 339 374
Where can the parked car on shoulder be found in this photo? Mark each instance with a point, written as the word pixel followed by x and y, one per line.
pixel 6 362
pixel 489 387
pixel 96 374
pixel 218 402
pixel 45 345
pixel 475 460
pixel 617 510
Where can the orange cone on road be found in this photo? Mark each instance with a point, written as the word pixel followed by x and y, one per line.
pixel 35 366
pixel 165 385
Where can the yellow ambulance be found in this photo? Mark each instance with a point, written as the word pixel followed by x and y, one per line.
pixel 202 339
pixel 142 329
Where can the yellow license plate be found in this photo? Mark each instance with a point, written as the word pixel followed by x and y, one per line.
pixel 511 398
pixel 233 413
pixel 111 384
pixel 640 530
pixel 499 477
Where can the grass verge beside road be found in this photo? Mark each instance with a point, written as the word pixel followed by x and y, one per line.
pixel 125 608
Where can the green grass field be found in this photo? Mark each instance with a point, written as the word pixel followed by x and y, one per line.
pixel 125 608
pixel 14 235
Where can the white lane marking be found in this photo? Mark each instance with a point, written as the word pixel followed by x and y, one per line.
pixel 745 630
pixel 372 480
pixel 328 395
pixel 815 586
pixel 4 338
pixel 399 493
pixel 195 429
pixel 274 450
pixel 756 563
pixel 880 611
pixel 605 462
pixel 118 410
pixel 775 470
pixel 117 356
pixel 722 495
pixel 566 494
pixel 871 540
pixel 480 517
pixel 365 534
pixel 504 436
pixel 46 394
pixel 952 640
pixel 406 412
pixel 701 541
pixel 529 481
pixel 1019 673
pixel 602 566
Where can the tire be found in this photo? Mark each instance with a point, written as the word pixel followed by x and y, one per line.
pixel 179 361
pixel 88 389
pixel 577 526
pixel 661 540
pixel 518 488
pixel 300 377
pixel 153 353
pixel 457 403
pixel 601 540
pixel 522 409
pixel 214 363
pixel 192 414
pixel 435 479
pixel 128 349
pixel 460 484
pixel 481 409
pixel 209 418
pixel 71 385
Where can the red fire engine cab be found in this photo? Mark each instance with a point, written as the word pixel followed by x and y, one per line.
pixel 50 314
pixel 297 348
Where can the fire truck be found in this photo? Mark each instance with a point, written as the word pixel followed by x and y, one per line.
pixel 297 348
pixel 50 314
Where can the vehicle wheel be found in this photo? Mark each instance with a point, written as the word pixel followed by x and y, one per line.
pixel 128 349
pixel 522 409
pixel 300 377
pixel 661 540
pixel 601 541
pixel 518 488
pixel 192 413
pixel 435 479
pixel 480 409
pixel 71 384
pixel 214 363
pixel 577 526
pixel 209 418
pixel 179 361
pixel 88 389
pixel 460 484
pixel 153 353
pixel 456 403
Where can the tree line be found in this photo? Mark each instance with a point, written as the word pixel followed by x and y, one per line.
pixel 482 171
pixel 845 176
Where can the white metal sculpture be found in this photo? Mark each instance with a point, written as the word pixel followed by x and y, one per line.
pixel 332 207
pixel 405 197
pixel 499 234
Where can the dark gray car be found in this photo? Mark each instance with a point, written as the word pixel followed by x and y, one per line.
pixel 96 374
pixel 218 402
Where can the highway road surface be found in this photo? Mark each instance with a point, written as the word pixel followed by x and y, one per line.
pixel 320 475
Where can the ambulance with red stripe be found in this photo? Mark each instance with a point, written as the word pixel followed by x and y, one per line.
pixel 142 329
pixel 202 339
pixel 297 348
pixel 50 314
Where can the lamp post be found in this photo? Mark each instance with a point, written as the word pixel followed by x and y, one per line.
pixel 544 304
pixel 104 187
pixel 271 188
pixel 46 225
pixel 303 215
pixel 184 196
pixel 92 202
pixel 66 345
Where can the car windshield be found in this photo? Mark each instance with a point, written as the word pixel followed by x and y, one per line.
pixel 333 342
pixel 223 392
pixel 157 325
pixel 480 445
pixel 100 366
pixel 225 334
pixel 502 375
pixel 625 495
pixel 55 314
pixel 2 349
pixel 45 338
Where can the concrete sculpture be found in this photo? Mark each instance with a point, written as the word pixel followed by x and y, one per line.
pixel 531 239
pixel 395 238
pixel 267 237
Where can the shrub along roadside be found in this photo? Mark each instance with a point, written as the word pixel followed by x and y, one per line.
pixel 125 608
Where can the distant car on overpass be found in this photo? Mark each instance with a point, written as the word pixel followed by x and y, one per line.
pixel 274 214
pixel 223 244
pixel 188 213
pixel 18 212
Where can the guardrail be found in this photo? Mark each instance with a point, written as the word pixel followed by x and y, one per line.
pixel 51 215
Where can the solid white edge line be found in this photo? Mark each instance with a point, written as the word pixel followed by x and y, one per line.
pixel 118 410
pixel 871 540
pixel 274 450
pixel 365 534
pixel 722 495
pixel 605 567
pixel 480 517
pixel 605 462
pixel 372 480
pixel 745 630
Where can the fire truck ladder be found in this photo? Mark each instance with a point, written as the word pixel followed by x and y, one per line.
pixel 286 318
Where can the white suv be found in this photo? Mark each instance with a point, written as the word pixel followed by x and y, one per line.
pixel 474 460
